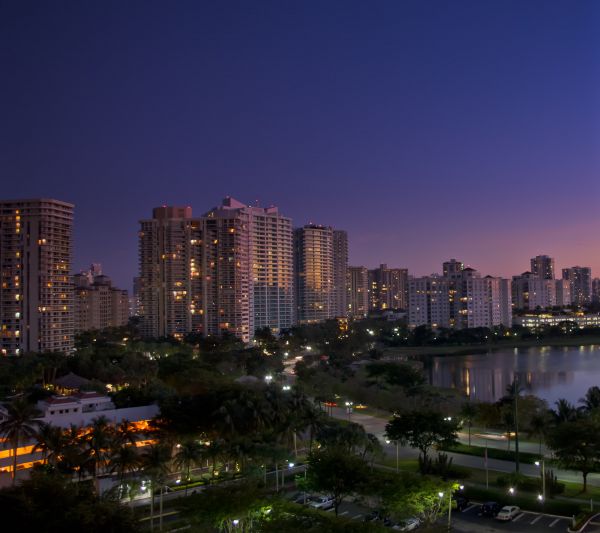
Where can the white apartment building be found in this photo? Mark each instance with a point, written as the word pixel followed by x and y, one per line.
pixel 36 291
pixel 532 292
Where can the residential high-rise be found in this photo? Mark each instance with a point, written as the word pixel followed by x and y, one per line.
pixel 533 292
pixel 170 255
pixel 340 272
pixel 580 279
pixel 98 305
pixel 358 292
pixel 249 279
pixel 563 292
pixel 459 299
pixel 388 288
pixel 135 304
pixel 542 266
pixel 314 271
pixel 36 290
pixel 596 290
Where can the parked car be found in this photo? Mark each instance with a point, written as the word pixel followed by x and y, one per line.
pixel 408 524
pixel 374 516
pixel 508 512
pixel 460 503
pixel 300 497
pixel 490 509
pixel 321 502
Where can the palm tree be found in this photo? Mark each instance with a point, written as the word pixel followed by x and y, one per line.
pixel 51 441
pixel 591 400
pixel 538 427
pixel 565 411
pixel 188 454
pixel 125 433
pixel 98 441
pixel 155 461
pixel 124 459
pixel 468 412
pixel 20 423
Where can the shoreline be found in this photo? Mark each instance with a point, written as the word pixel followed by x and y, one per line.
pixel 477 349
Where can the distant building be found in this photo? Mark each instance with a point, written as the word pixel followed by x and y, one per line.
pixel 388 288
pixel 563 292
pixel 358 292
pixel 542 266
pixel 170 256
pixel 580 279
pixel 459 299
pixel 98 305
pixel 596 290
pixel 537 321
pixel 532 292
pixel 36 291
pixel 135 304
pixel 340 272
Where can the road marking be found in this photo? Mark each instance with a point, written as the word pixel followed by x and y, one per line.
pixel 553 523
pixel 536 519
pixel 356 517
pixel 473 505
pixel 518 517
pixel 342 514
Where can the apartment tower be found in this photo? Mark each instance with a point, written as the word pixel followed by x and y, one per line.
pixel 358 292
pixel 36 291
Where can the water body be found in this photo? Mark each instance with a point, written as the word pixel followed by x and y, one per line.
pixel 550 372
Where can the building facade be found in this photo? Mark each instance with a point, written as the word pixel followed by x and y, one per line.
pixel 98 305
pixel 532 292
pixel 358 292
pixel 542 266
pixel 170 256
pixel 36 291
pixel 340 273
pixel 580 280
pixel 388 288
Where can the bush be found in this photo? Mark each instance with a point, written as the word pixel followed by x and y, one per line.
pixel 532 484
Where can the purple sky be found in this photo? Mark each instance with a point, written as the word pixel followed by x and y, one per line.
pixel 427 129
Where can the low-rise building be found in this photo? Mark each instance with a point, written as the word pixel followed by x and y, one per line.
pixel 537 321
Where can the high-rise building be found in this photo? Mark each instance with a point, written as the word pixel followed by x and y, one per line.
pixel 542 266
pixel 596 290
pixel 532 292
pixel 317 271
pixel 249 282
pixel 388 288
pixel 36 291
pixel 340 272
pixel 135 304
pixel 98 305
pixel 563 292
pixel 170 255
pixel 459 299
pixel 580 279
pixel 358 292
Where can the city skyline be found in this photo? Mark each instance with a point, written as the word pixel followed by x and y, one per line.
pixel 385 121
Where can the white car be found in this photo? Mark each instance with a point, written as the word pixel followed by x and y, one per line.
pixel 321 502
pixel 408 524
pixel 508 512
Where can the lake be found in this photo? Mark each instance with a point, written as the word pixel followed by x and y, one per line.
pixel 550 372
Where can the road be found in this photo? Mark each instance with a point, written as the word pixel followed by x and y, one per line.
pixel 376 426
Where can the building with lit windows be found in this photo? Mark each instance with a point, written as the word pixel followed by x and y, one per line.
pixel 537 321
pixel 542 266
pixel 460 299
pixel 340 273
pixel 388 288
pixel 358 292
pixel 97 304
pixel 316 265
pixel 36 291
pixel 249 276
pixel 532 292
pixel 170 256
pixel 580 279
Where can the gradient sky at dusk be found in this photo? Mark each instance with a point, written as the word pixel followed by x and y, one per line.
pixel 428 130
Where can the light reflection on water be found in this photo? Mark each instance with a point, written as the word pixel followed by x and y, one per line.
pixel 550 372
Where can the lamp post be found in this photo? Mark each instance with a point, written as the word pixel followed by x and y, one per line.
pixel 397 455
pixel 441 495
pixel 537 463
pixel 349 408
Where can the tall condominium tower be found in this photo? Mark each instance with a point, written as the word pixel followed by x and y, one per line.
pixel 531 292
pixel 580 279
pixel 542 266
pixel 315 268
pixel 358 292
pixel 248 258
pixel 36 291
pixel 388 288
pixel 170 273
pixel 340 273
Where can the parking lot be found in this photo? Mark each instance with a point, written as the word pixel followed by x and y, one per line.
pixel 470 520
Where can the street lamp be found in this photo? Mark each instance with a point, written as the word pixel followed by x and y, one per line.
pixel 441 495
pixel 268 378
pixel 511 491
pixel 349 408
pixel 397 457
pixel 537 463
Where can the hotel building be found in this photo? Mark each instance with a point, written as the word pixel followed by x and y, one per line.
pixel 36 291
